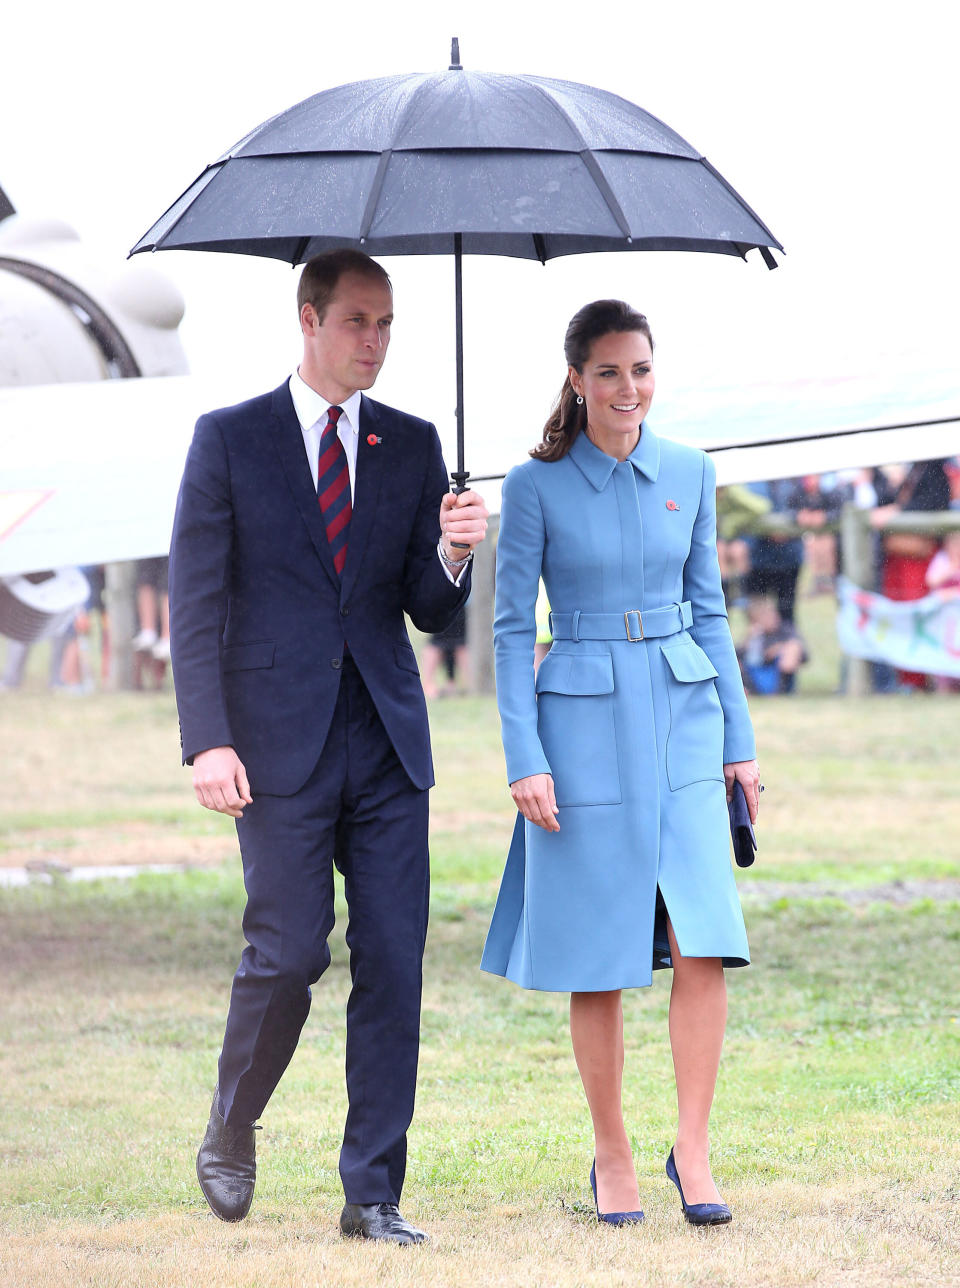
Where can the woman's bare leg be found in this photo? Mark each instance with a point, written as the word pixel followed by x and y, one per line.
pixel 596 1027
pixel 698 1017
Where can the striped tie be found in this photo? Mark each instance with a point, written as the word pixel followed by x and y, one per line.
pixel 333 489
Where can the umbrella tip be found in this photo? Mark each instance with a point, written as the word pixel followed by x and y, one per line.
pixel 455 64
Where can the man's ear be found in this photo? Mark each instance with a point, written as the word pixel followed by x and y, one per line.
pixel 308 319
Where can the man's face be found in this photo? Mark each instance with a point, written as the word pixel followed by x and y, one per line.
pixel 345 351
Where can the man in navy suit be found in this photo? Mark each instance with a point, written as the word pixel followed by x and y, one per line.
pixel 308 521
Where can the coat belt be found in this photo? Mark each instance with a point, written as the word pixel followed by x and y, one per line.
pixel 633 624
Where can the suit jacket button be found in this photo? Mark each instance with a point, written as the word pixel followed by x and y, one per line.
pixel 335 663
pixel 345 611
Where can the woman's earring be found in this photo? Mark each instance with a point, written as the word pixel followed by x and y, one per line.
pixel 579 400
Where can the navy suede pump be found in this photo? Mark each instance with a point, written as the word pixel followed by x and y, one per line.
pixel 698 1213
pixel 611 1218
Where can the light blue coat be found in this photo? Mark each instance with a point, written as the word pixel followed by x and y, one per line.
pixel 634 731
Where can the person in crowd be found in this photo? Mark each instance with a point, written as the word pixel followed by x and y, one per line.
pixel 772 652
pixel 309 520
pixel 776 557
pixel 447 649
pixel 544 639
pixel 943 578
pixel 907 555
pixel 153 609
pixel 623 749
pixel 738 508
pixel 814 504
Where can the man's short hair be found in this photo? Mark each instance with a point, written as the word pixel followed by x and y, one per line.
pixel 320 276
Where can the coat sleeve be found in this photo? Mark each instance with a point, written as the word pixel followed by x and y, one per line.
pixel 429 596
pixel 519 559
pixel 711 630
pixel 200 552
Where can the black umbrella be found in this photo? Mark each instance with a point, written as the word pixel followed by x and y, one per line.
pixel 469 162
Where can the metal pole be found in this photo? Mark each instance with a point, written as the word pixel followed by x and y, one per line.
pixel 460 475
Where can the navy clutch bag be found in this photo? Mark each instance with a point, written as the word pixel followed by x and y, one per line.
pixel 741 829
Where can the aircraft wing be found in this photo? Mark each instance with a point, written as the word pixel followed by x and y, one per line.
pixel 784 429
pixel 787 429
pixel 89 472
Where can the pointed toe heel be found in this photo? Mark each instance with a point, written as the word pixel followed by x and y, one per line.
pixel 698 1213
pixel 611 1218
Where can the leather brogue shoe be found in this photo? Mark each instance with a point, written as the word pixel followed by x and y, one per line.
pixel 227 1165
pixel 381 1221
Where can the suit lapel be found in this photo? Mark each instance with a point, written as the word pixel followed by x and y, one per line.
pixel 366 494
pixel 289 442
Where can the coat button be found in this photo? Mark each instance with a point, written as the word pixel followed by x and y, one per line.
pixel 335 663
pixel 345 611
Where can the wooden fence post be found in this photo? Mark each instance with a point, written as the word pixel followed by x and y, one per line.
pixel 856 540
pixel 120 596
pixel 480 610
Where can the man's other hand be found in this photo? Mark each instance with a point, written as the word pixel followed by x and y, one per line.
pixel 220 781
pixel 463 519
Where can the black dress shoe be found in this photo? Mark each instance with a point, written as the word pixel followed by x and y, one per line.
pixel 227 1166
pixel 378 1221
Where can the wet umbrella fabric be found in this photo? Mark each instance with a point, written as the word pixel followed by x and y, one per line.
pixel 460 162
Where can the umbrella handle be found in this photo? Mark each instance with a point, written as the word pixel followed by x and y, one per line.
pixel 459 484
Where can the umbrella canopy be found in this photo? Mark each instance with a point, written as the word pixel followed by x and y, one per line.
pixel 461 162
pixel 518 165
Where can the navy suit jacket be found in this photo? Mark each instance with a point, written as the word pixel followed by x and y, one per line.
pixel 258 615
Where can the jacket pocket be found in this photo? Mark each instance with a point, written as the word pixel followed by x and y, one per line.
pixel 406 658
pixel 248 657
pixel 695 737
pixel 576 723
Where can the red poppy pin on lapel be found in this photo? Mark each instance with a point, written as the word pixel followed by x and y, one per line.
pixel 373 440
pixel 672 505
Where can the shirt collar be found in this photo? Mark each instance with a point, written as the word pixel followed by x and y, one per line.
pixel 597 466
pixel 311 406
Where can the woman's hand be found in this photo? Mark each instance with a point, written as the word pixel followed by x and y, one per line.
pixel 535 800
pixel 746 772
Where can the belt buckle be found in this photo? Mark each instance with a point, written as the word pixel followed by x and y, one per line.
pixel 634 639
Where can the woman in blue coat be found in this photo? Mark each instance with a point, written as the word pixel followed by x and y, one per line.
pixel 622 750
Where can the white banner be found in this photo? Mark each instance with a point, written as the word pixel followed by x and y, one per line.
pixel 916 635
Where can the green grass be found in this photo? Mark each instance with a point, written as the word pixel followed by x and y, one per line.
pixel 836 1125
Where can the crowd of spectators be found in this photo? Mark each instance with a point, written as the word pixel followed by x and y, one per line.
pixel 70 669
pixel 769 532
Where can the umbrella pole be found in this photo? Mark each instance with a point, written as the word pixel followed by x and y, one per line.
pixel 459 475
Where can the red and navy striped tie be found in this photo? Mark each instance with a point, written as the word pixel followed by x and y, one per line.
pixel 333 489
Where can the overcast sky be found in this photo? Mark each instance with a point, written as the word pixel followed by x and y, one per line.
pixel 837 122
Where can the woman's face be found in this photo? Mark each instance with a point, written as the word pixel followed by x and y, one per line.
pixel 617 386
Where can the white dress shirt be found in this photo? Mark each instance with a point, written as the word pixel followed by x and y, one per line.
pixel 311 408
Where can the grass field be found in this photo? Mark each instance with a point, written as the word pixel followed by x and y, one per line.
pixel 836 1127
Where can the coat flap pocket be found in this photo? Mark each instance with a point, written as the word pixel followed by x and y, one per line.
pixel 688 662
pixel 406 658
pixel 248 657
pixel 582 675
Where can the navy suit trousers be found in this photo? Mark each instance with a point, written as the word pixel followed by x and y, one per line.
pixel 360 811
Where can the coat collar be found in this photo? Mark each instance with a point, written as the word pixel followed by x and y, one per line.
pixel 597 466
